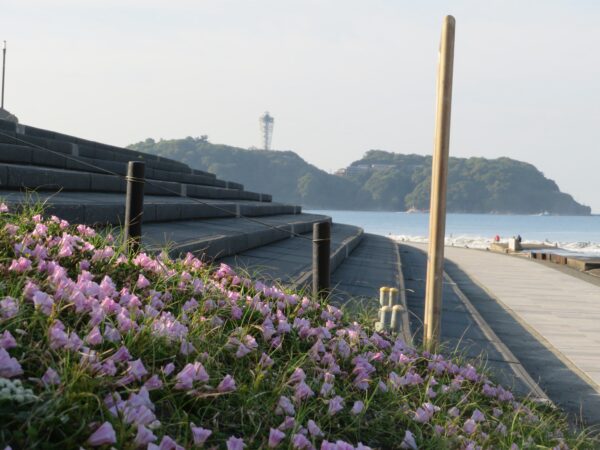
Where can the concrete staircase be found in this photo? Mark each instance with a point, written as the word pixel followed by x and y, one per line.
pixel 188 210
pixel 185 209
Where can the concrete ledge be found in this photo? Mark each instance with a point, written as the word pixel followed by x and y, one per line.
pixel 219 238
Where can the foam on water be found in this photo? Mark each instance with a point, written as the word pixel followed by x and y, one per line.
pixel 478 242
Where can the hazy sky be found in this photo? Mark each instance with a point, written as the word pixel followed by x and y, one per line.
pixel 339 76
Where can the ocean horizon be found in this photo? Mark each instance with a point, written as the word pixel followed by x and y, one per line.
pixel 574 233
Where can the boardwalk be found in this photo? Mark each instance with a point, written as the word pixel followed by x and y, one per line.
pixel 549 319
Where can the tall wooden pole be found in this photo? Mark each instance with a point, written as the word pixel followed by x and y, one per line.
pixel 439 175
pixel 3 73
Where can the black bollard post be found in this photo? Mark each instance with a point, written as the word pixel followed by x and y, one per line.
pixel 134 204
pixel 321 251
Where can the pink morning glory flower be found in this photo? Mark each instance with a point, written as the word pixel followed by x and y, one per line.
pixel 336 404
pixel 357 407
pixel 234 443
pixel 94 337
pixel 314 429
pixel 144 436
pixel 142 282
pixel 469 426
pixel 300 442
pixel 409 441
pixel 9 367
pixel 275 437
pixel 478 416
pixel 199 434
pixel 7 340
pixel 50 377
pixel 227 384
pixel 137 369
pixel 105 434
pixel 284 405
pixel 8 307
pixel 297 376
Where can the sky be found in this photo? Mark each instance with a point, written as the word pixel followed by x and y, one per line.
pixel 340 77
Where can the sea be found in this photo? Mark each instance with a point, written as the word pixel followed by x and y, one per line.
pixel 580 234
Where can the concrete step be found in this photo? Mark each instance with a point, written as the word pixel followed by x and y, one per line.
pixel 89 149
pixel 109 208
pixel 290 261
pixel 101 155
pixel 220 238
pixel 73 160
pixel 20 176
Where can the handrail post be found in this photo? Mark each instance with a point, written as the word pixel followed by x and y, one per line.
pixel 134 205
pixel 320 258
pixel 439 175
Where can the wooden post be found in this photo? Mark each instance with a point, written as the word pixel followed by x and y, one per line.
pixel 134 204
pixel 439 175
pixel 320 258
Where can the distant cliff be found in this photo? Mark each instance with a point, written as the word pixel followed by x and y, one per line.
pixel 379 181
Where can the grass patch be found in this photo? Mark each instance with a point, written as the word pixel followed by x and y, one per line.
pixel 101 348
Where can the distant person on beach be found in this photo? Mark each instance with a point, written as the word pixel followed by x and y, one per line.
pixel 519 238
pixel 497 238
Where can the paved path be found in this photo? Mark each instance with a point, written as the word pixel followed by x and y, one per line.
pixel 549 319
pixel 462 328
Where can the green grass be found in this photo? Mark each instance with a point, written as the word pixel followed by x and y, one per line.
pixel 66 414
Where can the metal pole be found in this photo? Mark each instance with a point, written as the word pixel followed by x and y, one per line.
pixel 134 204
pixel 3 73
pixel 439 175
pixel 320 258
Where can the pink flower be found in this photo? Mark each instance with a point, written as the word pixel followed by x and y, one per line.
pixel 3 208
pixel 297 376
pixel 326 389
pixel 58 337
pixel 9 367
pixel 168 443
pixel 94 337
pixel 44 302
pixel 189 374
pixel 469 426
pixel 168 369
pixel 74 342
pixel 105 434
pixel 153 383
pixel 227 384
pixel 300 442
pixel 234 443
pixel 144 436
pixel 284 405
pixel 275 437
pixel 265 360
pixel 478 416
pixel 409 441
pixel 20 265
pixel 50 377
pixel 7 340
pixel 242 351
pixel 336 404
pixel 199 434
pixel 137 369
pixel 121 355
pixel 314 429
pixel 142 282
pixel 8 307
pixel 303 391
pixel 357 407
pixel 11 229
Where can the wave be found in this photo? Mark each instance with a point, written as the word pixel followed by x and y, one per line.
pixel 478 242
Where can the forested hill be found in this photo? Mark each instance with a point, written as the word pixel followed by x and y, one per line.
pixel 379 181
